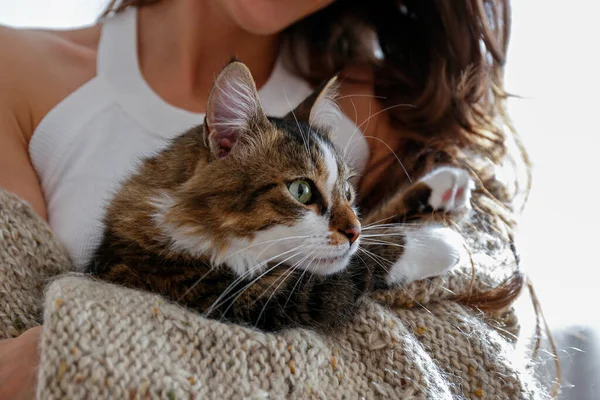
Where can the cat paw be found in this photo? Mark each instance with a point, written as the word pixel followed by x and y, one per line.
pixel 450 189
pixel 429 251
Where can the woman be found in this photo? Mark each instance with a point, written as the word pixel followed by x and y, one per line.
pixel 422 81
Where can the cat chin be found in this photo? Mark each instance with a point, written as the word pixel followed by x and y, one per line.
pixel 325 266
pixel 247 265
pixel 331 263
pixel 294 246
pixel 328 266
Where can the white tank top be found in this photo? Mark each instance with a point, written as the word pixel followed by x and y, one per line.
pixel 96 136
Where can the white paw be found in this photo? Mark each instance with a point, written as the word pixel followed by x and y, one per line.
pixel 429 251
pixel 450 188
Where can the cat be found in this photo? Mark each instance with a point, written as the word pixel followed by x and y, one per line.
pixel 252 219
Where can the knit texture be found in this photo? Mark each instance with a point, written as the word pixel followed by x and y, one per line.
pixel 104 341
pixel 29 256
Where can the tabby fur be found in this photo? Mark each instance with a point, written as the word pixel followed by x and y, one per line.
pixel 190 223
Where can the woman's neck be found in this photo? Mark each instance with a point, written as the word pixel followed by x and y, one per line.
pixel 183 44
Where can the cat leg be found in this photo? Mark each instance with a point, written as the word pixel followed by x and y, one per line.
pixel 426 247
pixel 428 251
pixel 450 189
pixel 434 249
pixel 445 190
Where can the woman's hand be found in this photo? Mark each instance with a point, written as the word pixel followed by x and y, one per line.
pixel 19 359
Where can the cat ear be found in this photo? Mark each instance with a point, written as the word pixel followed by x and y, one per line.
pixel 233 108
pixel 320 109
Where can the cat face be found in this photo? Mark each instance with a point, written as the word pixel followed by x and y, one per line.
pixel 273 191
pixel 299 201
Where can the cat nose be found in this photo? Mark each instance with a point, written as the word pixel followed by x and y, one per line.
pixel 352 233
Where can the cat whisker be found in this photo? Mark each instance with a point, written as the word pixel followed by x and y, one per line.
pixel 381 239
pixel 283 278
pixel 384 110
pixel 294 288
pixel 373 257
pixel 273 242
pixel 220 300
pixel 361 95
pixel 235 296
pixel 268 260
pixel 394 153
pixel 359 127
pixel 264 263
pixel 383 243
pixel 446 289
pixel 268 247
pixel 233 284
pixel 366 264
pixel 268 270
pixel 194 284
pixel 368 252
pixel 394 225
pixel 260 265
pixel 386 232
pixel 412 234
pixel 345 152
pixel 414 299
pixel 309 265
pixel 354 175
pixel 353 140
pixel 377 222
pixel 299 127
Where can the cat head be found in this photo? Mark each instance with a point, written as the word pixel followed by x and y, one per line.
pixel 272 191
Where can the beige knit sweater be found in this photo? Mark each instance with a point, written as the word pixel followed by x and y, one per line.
pixel 104 341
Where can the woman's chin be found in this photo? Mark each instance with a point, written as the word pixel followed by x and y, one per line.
pixel 268 17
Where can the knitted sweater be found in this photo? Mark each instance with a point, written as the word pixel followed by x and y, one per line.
pixel 105 341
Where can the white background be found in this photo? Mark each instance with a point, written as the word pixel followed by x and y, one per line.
pixel 554 64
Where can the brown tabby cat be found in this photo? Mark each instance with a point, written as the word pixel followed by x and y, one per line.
pixel 251 218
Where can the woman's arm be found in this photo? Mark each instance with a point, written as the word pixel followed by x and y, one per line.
pixel 19 357
pixel 16 172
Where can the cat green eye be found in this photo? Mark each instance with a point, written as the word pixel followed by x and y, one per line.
pixel 301 191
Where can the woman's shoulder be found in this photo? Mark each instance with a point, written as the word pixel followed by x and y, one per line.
pixel 41 67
